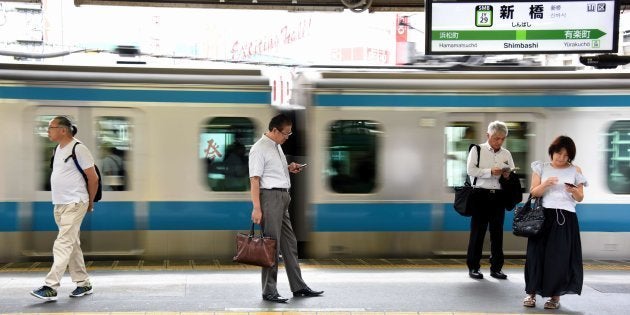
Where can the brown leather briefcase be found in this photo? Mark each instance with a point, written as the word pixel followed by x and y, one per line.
pixel 256 250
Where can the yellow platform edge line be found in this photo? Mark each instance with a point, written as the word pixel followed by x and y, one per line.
pixel 211 268
pixel 270 313
pixel 419 264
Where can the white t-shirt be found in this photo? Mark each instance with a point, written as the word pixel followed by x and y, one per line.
pixel 267 161
pixel 66 182
pixel 557 196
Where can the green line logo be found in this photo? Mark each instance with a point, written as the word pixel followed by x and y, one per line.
pixel 483 16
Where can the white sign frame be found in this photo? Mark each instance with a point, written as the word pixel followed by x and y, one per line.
pixel 515 27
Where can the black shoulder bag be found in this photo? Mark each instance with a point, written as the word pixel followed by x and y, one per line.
pixel 463 195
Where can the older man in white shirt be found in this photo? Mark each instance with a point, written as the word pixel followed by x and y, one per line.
pixel 489 201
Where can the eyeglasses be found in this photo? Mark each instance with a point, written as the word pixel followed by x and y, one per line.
pixel 286 134
pixel 53 127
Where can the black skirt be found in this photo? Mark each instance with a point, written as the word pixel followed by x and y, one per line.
pixel 553 265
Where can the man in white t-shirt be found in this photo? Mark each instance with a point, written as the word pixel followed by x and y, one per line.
pixel 72 197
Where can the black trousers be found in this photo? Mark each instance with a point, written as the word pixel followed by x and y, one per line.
pixel 489 211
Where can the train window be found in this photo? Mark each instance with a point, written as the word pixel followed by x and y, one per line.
pixel 224 145
pixel 517 143
pixel 618 151
pixel 353 159
pixel 459 136
pixel 114 135
pixel 46 149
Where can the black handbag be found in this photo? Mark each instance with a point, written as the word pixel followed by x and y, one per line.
pixel 464 201
pixel 257 250
pixel 529 219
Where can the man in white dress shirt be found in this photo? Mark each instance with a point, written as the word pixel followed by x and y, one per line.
pixel 489 201
pixel 270 184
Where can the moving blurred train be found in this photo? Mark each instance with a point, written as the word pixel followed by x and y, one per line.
pixel 384 149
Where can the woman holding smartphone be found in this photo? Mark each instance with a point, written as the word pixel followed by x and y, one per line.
pixel 553 265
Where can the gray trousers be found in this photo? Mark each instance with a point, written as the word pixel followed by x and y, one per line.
pixel 276 224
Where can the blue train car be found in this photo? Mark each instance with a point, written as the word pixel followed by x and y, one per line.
pixel 389 146
pixel 384 148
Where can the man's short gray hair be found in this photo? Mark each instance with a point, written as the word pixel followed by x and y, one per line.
pixel 497 126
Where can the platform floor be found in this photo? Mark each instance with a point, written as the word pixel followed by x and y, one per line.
pixel 352 286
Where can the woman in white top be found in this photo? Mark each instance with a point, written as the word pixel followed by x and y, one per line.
pixel 553 265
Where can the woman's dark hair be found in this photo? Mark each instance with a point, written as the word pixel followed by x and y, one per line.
pixel 65 121
pixel 563 142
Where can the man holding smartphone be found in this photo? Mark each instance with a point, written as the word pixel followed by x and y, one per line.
pixel 270 183
pixel 495 162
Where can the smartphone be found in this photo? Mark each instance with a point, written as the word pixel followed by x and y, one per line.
pixel 569 184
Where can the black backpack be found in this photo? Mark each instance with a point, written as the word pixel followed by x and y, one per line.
pixel 99 190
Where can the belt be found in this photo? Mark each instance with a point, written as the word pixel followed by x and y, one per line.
pixel 490 191
pixel 277 189
pixel 558 209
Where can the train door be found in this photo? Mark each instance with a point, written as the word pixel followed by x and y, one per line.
pixel 463 129
pixel 295 150
pixel 109 133
pixel 113 227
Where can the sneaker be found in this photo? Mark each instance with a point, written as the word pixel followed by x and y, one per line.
pixel 81 291
pixel 45 293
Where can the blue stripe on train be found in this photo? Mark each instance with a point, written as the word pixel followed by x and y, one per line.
pixel 227 215
pixel 162 215
pixel 123 95
pixel 420 217
pixel 407 100
pixel 176 215
pixel 108 216
pixel 8 216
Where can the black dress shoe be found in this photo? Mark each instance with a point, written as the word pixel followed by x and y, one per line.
pixel 498 275
pixel 475 274
pixel 307 292
pixel 274 298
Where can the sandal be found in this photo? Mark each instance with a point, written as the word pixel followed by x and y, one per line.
pixel 552 304
pixel 529 301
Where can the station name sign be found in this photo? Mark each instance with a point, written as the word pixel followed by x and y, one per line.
pixel 521 27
